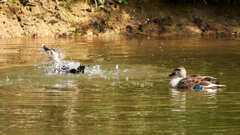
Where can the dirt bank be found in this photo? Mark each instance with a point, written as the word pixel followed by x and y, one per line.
pixel 46 18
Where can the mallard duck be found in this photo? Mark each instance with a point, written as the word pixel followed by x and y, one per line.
pixel 60 66
pixel 197 82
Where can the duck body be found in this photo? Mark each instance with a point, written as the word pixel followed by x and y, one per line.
pixel 61 66
pixel 66 67
pixel 182 81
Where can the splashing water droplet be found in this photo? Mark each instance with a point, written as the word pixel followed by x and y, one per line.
pixel 98 68
pixel 7 79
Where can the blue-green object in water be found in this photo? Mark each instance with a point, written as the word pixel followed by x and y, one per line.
pixel 198 87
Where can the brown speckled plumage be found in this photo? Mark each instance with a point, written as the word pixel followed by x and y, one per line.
pixel 181 80
pixel 190 81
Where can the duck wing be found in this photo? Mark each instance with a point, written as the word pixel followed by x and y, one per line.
pixel 210 79
pixel 190 81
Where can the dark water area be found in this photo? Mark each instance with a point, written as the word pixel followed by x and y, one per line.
pixel 125 92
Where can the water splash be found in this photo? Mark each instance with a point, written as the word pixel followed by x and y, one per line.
pixel 116 75
pixel 59 65
pixel 7 79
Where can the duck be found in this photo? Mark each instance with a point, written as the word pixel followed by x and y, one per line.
pixel 180 80
pixel 60 66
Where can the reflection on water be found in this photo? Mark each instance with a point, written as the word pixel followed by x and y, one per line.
pixel 125 90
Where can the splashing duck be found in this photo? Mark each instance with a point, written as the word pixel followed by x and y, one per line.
pixel 61 66
pixel 195 82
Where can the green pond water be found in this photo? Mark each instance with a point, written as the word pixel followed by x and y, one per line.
pixel 127 94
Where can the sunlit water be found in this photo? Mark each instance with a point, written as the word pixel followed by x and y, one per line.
pixel 125 90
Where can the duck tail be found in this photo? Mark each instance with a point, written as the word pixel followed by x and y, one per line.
pixel 221 85
pixel 214 86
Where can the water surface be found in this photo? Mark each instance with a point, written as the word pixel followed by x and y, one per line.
pixel 126 91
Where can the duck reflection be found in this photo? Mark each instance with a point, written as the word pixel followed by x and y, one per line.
pixel 192 108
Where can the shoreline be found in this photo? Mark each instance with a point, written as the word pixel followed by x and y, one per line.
pixel 82 19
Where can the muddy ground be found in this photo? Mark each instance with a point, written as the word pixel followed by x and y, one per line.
pixel 47 18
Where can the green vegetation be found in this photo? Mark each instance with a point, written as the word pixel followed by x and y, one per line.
pixel 24 2
pixel 123 1
pixel 102 2
pixel 66 5
pixel 14 1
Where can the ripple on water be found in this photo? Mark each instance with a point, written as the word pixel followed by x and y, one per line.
pixel 124 93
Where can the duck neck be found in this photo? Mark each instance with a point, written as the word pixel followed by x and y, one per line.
pixel 174 82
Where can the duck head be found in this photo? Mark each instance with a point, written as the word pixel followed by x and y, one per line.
pixel 179 72
pixel 52 53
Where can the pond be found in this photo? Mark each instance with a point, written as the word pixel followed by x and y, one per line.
pixel 127 91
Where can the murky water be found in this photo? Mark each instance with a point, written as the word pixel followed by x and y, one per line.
pixel 126 92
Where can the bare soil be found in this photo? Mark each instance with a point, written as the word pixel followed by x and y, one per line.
pixel 46 18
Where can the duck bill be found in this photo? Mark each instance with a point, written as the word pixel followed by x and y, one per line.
pixel 172 74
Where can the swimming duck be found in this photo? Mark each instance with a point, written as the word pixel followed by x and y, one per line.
pixel 60 66
pixel 196 82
